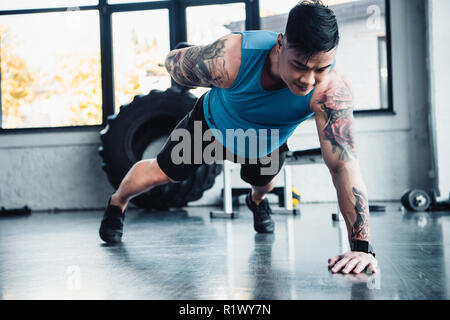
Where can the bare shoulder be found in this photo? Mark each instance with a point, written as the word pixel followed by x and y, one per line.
pixel 232 57
pixel 335 93
pixel 213 65
pixel 219 62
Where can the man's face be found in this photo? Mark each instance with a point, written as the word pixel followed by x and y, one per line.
pixel 302 73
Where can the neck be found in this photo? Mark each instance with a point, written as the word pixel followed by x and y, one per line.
pixel 270 78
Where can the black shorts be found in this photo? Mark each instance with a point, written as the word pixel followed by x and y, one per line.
pixel 250 172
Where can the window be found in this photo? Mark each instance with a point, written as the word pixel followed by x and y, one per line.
pixel 70 63
pixel 35 4
pixel 362 53
pixel 383 72
pixel 129 1
pixel 50 77
pixel 140 45
pixel 205 24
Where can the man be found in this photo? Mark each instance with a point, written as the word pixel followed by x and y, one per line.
pixel 262 80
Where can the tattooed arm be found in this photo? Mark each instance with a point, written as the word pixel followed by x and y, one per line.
pixel 214 65
pixel 333 107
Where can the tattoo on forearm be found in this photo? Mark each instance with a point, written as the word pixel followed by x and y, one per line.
pixel 174 69
pixel 199 66
pixel 360 229
pixel 338 108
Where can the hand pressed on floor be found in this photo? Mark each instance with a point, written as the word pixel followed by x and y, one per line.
pixel 353 261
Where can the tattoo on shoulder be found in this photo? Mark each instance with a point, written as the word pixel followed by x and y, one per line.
pixel 337 104
pixel 360 229
pixel 199 66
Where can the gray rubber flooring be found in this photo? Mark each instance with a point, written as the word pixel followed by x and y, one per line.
pixel 187 255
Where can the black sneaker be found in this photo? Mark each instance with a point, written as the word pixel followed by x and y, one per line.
pixel 111 228
pixel 262 222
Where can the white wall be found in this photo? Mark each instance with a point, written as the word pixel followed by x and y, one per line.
pixel 52 171
pixel 357 59
pixel 439 48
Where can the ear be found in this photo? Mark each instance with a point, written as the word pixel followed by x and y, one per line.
pixel 280 39
pixel 280 43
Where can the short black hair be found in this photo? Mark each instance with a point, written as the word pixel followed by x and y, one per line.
pixel 312 28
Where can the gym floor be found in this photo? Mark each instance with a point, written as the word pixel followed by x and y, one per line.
pixel 187 255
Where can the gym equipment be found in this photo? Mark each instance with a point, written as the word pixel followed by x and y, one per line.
pixel 416 200
pixel 143 126
pixel 182 45
pixel 374 208
pixel 419 200
pixel 286 206
pixel 278 191
pixel 336 217
pixel 296 197
pixel 15 212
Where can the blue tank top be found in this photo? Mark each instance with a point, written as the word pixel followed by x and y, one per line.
pixel 247 108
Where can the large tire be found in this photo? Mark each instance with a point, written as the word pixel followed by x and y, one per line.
pixel 145 124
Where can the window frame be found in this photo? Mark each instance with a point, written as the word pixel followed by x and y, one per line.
pixel 178 33
pixel 390 98
pixel 381 47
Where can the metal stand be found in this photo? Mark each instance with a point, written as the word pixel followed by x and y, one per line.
pixel 287 191
pixel 293 158
pixel 296 158
pixel 227 197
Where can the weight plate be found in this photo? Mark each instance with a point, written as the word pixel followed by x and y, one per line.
pixel 373 208
pixel 418 200
pixel 405 201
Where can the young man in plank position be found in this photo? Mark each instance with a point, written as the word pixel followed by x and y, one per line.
pixel 267 82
